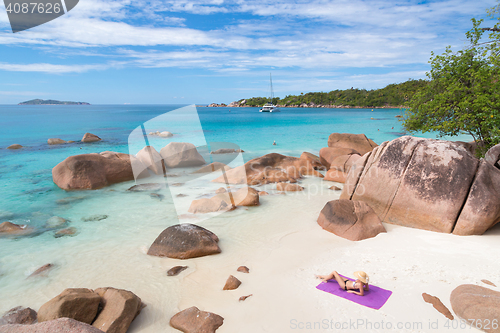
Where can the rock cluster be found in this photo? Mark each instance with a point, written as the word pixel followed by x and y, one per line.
pixel 271 168
pixel 108 310
pixel 223 201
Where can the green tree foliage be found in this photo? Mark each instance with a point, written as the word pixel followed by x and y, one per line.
pixel 463 94
pixel 393 95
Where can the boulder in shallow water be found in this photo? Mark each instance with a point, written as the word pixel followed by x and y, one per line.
pixel 19 315
pixel 184 241
pixel 286 187
pixel 150 159
pixel 313 159
pixel 89 137
pixel 352 220
pixel 55 222
pixel 358 142
pixel 119 309
pixel 42 270
pixel 9 228
pixel 61 325
pixel 93 171
pixel 75 303
pixel 15 146
pixel 471 302
pixel 148 187
pixel 55 141
pixel 181 154
pixel 192 320
pixel 71 231
pixel 227 151
pixel 212 167
pixel 94 218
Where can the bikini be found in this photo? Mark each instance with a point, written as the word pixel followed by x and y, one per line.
pixel 353 284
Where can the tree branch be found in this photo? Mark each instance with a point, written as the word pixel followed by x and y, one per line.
pixel 491 29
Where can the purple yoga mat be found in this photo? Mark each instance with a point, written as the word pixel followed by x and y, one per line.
pixel 374 298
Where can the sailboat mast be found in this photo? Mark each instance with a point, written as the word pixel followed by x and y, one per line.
pixel 272 93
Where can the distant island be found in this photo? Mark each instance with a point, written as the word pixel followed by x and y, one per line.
pixel 51 102
pixel 391 96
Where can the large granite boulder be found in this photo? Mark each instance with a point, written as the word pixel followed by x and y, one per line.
pixel 184 241
pixel 89 137
pixel 471 302
pixel 19 315
pixel 75 303
pixel 270 168
pixel 353 220
pixel 328 154
pixel 181 154
pixel 93 171
pixel 414 182
pixel 358 142
pixel 119 308
pixel 340 167
pixel 149 158
pixel 313 159
pixel 192 320
pixel 482 209
pixel 61 325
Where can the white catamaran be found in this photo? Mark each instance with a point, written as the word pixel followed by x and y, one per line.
pixel 270 107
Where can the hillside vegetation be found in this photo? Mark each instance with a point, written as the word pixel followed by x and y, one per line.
pixel 394 95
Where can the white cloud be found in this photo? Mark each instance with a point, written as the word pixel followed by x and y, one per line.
pixel 50 68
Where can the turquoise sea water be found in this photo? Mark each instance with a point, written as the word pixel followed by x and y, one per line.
pixel 25 175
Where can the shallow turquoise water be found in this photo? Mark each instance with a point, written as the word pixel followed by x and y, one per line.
pixel 25 175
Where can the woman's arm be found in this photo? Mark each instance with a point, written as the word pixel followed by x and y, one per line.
pixel 360 293
pixel 366 287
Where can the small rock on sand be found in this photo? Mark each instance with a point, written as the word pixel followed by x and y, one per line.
pixel 438 305
pixel 243 269
pixel 488 282
pixel 242 298
pixel 231 283
pixel 194 320
pixel 176 270
pixel 335 188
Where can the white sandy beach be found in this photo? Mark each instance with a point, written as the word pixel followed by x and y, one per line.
pixel 284 248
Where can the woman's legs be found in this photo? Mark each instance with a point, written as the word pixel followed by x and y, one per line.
pixel 332 275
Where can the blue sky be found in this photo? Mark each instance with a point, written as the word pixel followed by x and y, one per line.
pixel 204 51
